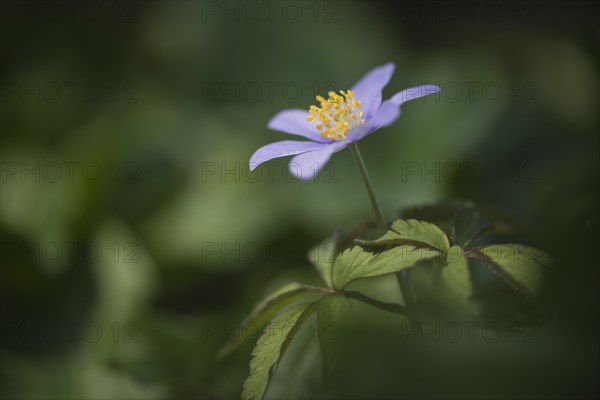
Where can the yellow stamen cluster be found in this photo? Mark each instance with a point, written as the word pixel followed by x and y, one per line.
pixel 337 114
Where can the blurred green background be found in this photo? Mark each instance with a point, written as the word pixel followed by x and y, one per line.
pixel 134 238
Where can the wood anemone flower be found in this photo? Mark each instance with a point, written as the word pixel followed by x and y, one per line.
pixel 341 119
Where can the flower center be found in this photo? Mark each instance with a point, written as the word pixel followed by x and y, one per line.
pixel 337 114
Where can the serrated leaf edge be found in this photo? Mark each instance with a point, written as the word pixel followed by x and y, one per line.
pixel 304 315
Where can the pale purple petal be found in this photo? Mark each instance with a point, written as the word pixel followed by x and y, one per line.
pixel 294 122
pixel 282 149
pixel 305 166
pixel 368 89
pixel 414 93
pixel 387 114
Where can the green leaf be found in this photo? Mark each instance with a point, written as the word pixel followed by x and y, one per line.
pixel 522 267
pixel 271 347
pixel 268 308
pixel 412 232
pixel 455 277
pixel 349 260
pixel 333 310
pixel 322 257
pixel 356 263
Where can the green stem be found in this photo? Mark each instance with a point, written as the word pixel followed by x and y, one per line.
pixel 403 283
pixel 401 277
pixel 365 177
pixel 389 307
